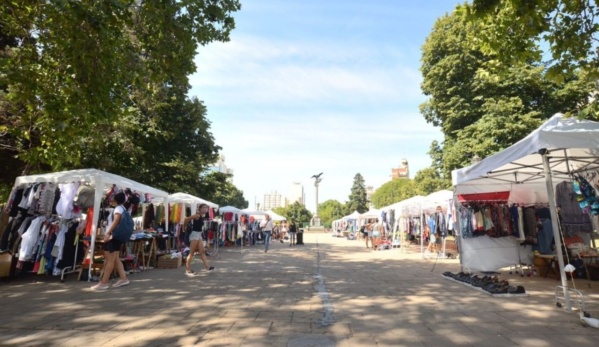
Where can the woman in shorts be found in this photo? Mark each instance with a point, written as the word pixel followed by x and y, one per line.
pixel 196 244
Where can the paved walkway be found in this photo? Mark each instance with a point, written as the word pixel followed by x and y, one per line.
pixel 330 292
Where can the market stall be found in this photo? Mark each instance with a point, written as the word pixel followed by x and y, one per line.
pixel 97 180
pixel 559 155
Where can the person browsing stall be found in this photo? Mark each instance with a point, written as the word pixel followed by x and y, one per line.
pixel 196 244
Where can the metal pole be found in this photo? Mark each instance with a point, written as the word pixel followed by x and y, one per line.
pixel 555 225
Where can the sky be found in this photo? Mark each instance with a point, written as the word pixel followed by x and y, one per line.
pixel 310 86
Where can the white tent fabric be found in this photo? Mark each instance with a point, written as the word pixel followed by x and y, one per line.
pixel 226 209
pixel 573 145
pixel 373 213
pixel 353 215
pixel 187 199
pixel 275 217
pixel 252 212
pixel 97 178
pixel 439 198
pixel 529 169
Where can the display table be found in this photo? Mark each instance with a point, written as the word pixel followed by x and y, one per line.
pixel 547 264
pixel 144 249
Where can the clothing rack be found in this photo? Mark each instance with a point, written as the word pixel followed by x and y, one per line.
pixel 75 267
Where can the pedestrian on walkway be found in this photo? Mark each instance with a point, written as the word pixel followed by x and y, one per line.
pixel 267 230
pixel 196 244
pixel 112 248
pixel 292 232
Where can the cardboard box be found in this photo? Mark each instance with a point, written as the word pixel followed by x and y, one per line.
pixel 166 262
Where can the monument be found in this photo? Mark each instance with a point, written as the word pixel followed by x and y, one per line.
pixel 315 222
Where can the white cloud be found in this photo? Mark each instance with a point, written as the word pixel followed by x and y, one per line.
pixel 283 111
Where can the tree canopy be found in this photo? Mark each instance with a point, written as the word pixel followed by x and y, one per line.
pixel 329 211
pixel 392 192
pixel 483 106
pixel 103 84
pixel 563 32
pixel 357 197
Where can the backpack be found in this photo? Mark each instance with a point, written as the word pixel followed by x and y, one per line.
pixel 124 230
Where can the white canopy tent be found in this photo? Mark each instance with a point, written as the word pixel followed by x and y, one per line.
pixel 249 212
pixel 353 215
pixel 558 148
pixel 226 209
pixel 97 178
pixel 187 199
pixel 275 217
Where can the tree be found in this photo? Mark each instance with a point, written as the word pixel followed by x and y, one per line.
pixel 298 212
pixel 357 198
pixel 513 29
pixel 429 181
pixel 71 68
pixel 329 211
pixel 482 110
pixel 392 192
pixel 216 187
pixel 166 145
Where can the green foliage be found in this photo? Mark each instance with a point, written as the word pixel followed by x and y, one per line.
pixel 392 192
pixel 428 181
pixel 281 211
pixel 329 211
pixel 103 84
pixel 357 198
pixel 482 104
pixel 513 29
pixel 217 188
pixel 297 212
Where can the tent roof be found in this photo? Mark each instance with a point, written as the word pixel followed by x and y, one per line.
pixel 92 176
pixel 439 198
pixel 354 215
pixel 188 199
pixel 374 213
pixel 573 146
pixel 252 212
pixel 226 209
pixel 274 216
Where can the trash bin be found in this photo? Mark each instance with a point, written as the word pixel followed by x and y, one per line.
pixel 300 237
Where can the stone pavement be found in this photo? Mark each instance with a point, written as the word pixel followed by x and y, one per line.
pixel 330 292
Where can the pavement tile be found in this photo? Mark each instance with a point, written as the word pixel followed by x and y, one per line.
pixel 384 298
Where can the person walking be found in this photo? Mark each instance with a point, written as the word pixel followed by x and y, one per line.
pixel 196 244
pixel 292 232
pixel 112 248
pixel 267 230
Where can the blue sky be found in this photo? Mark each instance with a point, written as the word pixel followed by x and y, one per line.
pixel 307 86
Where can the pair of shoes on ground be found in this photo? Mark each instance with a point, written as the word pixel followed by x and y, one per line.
pixel 104 286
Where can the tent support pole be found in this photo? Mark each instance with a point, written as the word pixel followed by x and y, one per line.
pixel 457 235
pixel 555 225
pixel 99 185
pixel 422 224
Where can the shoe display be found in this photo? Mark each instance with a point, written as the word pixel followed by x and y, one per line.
pixel 100 286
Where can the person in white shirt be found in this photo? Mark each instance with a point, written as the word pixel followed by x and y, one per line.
pixel 266 226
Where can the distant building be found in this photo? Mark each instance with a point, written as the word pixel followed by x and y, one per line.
pixel 403 171
pixel 272 200
pixel 221 167
pixel 297 194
